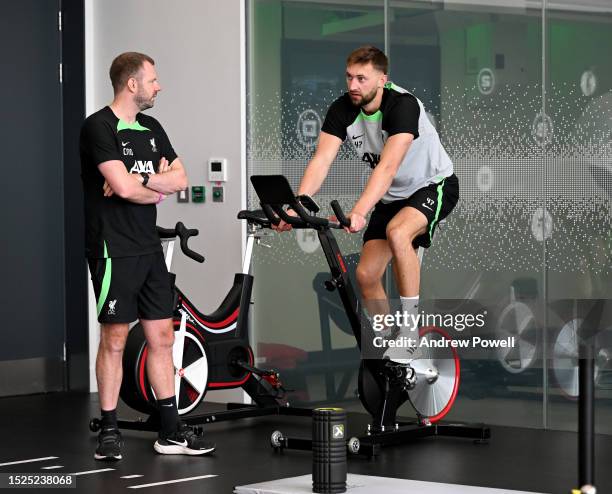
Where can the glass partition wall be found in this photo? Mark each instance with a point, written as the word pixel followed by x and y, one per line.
pixel 519 92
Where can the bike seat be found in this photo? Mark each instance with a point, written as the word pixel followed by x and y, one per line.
pixel 257 216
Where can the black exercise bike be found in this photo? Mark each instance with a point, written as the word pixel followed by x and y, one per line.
pixel 430 382
pixel 210 351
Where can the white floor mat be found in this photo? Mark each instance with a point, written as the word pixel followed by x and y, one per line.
pixel 365 484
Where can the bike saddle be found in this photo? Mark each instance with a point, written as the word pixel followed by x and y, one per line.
pixel 256 216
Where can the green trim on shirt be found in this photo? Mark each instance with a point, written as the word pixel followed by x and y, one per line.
pixel 390 85
pixel 122 125
pixel 376 117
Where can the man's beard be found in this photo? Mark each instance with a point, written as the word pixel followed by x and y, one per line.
pixel 366 99
pixel 142 102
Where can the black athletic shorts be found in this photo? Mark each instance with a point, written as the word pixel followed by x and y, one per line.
pixel 130 288
pixel 435 201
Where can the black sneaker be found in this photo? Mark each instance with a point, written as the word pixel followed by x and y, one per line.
pixel 183 442
pixel 109 445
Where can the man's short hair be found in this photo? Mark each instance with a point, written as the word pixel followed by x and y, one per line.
pixel 125 66
pixel 369 54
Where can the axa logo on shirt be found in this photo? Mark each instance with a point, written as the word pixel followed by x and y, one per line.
pixel 371 158
pixel 142 166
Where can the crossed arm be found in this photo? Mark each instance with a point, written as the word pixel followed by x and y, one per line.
pixel 170 178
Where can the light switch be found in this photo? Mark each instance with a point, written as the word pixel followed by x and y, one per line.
pixel 218 193
pixel 182 196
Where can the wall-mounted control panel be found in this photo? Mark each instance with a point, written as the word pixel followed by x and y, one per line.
pixel 217 170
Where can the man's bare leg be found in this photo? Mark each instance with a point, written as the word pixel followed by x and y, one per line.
pixel 160 368
pixel 109 372
pixel 160 371
pixel 405 226
pixel 174 437
pixel 109 368
pixel 375 257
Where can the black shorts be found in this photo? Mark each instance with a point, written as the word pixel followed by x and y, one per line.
pixel 130 288
pixel 435 201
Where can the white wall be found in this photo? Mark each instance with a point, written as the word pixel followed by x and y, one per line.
pixel 198 48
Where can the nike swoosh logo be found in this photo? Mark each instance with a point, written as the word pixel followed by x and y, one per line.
pixel 426 206
pixel 124 143
pixel 357 137
pixel 183 443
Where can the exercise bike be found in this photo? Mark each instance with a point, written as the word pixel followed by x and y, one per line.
pixel 210 351
pixel 430 383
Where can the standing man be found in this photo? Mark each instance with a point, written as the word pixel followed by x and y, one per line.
pixel 128 167
pixel 411 188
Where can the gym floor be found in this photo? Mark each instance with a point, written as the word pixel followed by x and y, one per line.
pixel 56 425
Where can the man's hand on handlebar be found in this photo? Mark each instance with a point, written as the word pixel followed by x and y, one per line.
pixel 358 222
pixel 352 223
pixel 282 226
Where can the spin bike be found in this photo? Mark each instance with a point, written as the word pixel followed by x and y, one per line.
pixel 430 382
pixel 210 351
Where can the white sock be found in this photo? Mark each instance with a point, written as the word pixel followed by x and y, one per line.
pixel 410 310
pixel 407 329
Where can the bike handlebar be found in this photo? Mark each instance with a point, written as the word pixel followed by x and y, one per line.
pixel 304 219
pixel 183 233
pixel 344 221
pixel 165 232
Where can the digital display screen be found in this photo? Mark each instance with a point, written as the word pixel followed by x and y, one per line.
pixel 215 166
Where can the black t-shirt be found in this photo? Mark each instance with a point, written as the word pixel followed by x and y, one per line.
pixel 114 226
pixel 398 113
